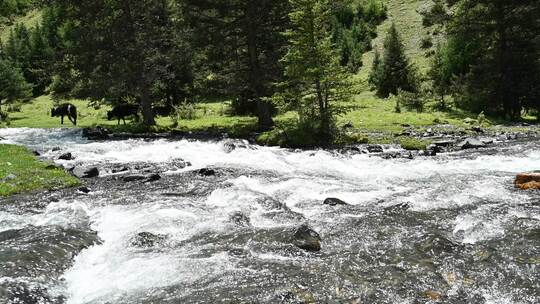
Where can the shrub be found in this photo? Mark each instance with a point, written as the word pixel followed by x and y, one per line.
pixel 4 116
pixel 292 134
pixel 348 138
pixel 187 111
pixel 411 101
pixel 413 144
pixel 426 42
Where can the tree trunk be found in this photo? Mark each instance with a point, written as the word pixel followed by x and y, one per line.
pixel 146 108
pixel 263 108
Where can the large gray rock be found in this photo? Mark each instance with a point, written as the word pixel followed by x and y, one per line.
pixel 97 133
pixel 85 172
pixel 471 143
pixel 307 239
pixel 66 156
pixel 375 149
pixel 144 178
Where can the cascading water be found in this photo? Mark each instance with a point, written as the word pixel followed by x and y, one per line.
pixel 448 229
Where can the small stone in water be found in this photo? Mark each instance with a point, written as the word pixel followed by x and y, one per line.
pixel 66 156
pixel 307 238
pixel 146 239
pixel 332 201
pixel 207 172
pixel 84 190
pixel 152 178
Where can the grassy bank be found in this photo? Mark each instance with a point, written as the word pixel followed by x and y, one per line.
pixel 370 119
pixel 21 172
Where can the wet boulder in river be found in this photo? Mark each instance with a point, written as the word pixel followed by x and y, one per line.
pixel 375 149
pixel 84 190
pixel 146 239
pixel 307 238
pixel 206 172
pixel 85 172
pixel 240 219
pixel 152 178
pixel 332 201
pixel 97 133
pixel 66 156
pixel 471 143
pixel 133 178
pixel 144 178
pixel 527 181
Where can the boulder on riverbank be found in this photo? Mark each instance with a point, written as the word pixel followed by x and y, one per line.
pixel 85 172
pixel 527 181
pixel 471 143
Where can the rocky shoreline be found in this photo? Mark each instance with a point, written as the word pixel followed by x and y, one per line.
pixel 441 139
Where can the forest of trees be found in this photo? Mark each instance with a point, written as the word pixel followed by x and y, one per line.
pixel 269 55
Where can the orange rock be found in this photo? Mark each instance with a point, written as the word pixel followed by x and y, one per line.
pixel 526 181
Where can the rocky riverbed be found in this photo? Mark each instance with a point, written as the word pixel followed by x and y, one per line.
pixel 187 221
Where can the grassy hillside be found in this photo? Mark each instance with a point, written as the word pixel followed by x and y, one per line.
pixel 31 19
pixel 405 14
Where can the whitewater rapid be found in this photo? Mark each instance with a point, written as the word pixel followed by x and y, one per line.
pixel 467 197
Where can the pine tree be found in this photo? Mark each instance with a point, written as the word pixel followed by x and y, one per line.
pixel 396 72
pixel 239 43
pixel 13 86
pixel 120 49
pixel 493 46
pixel 440 75
pixel 316 82
pixel 376 70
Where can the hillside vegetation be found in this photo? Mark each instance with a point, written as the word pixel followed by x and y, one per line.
pixel 213 70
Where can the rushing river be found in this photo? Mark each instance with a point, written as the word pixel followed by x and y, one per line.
pixel 444 229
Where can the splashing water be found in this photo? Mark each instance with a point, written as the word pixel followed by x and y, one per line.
pixel 448 229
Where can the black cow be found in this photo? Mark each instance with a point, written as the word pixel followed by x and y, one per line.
pixel 65 109
pixel 163 111
pixel 122 111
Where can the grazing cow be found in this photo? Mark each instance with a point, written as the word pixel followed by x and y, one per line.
pixel 122 111
pixel 65 109
pixel 163 111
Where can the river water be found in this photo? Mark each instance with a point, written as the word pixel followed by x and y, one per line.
pixel 444 229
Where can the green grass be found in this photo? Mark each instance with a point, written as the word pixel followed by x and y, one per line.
pixel 410 143
pixel 29 20
pixel 21 172
pixel 404 13
pixel 372 114
pixel 207 117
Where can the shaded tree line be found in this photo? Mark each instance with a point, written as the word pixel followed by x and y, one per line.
pixel 165 52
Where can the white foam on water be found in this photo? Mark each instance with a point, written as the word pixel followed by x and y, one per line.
pixel 301 180
pixel 116 268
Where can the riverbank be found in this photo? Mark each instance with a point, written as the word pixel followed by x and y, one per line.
pixel 21 171
pixel 369 121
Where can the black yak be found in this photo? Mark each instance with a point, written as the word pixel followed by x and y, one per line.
pixel 65 109
pixel 122 111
